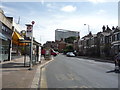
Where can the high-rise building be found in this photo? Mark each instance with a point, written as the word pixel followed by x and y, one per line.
pixel 62 34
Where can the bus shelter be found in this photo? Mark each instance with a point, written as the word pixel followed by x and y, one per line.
pixel 36 53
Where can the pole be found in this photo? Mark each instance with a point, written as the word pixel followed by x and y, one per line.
pixel 88 28
pixel 31 49
pixel 24 55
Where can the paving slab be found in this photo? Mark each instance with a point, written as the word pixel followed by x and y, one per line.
pixel 15 75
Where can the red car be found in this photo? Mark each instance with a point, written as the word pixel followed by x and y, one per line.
pixel 53 52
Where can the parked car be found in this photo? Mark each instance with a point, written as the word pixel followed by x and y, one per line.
pixel 54 53
pixel 57 52
pixel 70 54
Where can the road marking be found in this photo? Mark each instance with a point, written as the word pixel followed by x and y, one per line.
pixel 47 62
pixel 83 86
pixel 70 76
pixel 73 87
pixel 36 80
pixel 61 77
pixel 43 81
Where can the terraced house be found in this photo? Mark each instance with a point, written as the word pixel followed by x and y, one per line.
pixel 115 44
pixel 103 44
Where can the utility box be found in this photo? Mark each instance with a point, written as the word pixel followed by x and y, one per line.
pixel 47 54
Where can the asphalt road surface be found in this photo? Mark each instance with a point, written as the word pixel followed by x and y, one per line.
pixel 72 72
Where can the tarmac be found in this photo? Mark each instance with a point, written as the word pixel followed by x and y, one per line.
pixel 15 75
pixel 96 59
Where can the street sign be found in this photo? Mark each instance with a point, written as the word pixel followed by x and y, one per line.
pixel 29 30
pixel 33 22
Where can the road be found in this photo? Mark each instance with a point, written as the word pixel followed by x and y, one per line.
pixel 72 72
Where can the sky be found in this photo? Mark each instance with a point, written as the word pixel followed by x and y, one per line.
pixel 52 15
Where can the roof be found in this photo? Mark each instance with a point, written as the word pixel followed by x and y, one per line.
pixel 63 30
pixel 1 10
pixel 94 35
pixel 105 34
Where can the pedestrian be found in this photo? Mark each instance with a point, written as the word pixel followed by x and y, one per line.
pixel 115 60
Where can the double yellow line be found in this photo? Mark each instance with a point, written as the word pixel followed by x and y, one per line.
pixel 43 80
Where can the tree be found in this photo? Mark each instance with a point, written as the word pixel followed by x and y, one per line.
pixel 70 39
pixel 68 48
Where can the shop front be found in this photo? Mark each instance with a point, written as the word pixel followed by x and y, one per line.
pixel 5 36
pixel 5 42
pixel 4 47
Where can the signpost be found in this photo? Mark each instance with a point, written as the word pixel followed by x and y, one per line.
pixel 30 34
pixel 39 55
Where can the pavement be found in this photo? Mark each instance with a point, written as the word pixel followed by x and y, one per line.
pixel 16 75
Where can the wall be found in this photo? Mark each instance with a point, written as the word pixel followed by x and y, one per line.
pixel 4 20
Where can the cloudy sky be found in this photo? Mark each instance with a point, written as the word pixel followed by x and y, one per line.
pixel 49 16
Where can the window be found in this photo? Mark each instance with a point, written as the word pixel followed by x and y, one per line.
pixel 118 47
pixel 118 36
pixel 3 28
pixel 115 37
pixel 110 39
pixel 103 39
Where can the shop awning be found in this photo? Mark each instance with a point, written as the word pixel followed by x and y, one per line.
pixel 16 39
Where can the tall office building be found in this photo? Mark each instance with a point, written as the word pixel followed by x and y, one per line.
pixel 62 34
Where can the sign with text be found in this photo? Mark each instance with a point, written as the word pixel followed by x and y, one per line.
pixel 29 30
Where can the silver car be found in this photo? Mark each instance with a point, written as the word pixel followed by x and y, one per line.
pixel 70 54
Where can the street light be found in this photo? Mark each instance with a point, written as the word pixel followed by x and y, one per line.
pixel 88 27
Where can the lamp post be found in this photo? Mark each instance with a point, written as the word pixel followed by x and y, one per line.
pixel 89 39
pixel 88 27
